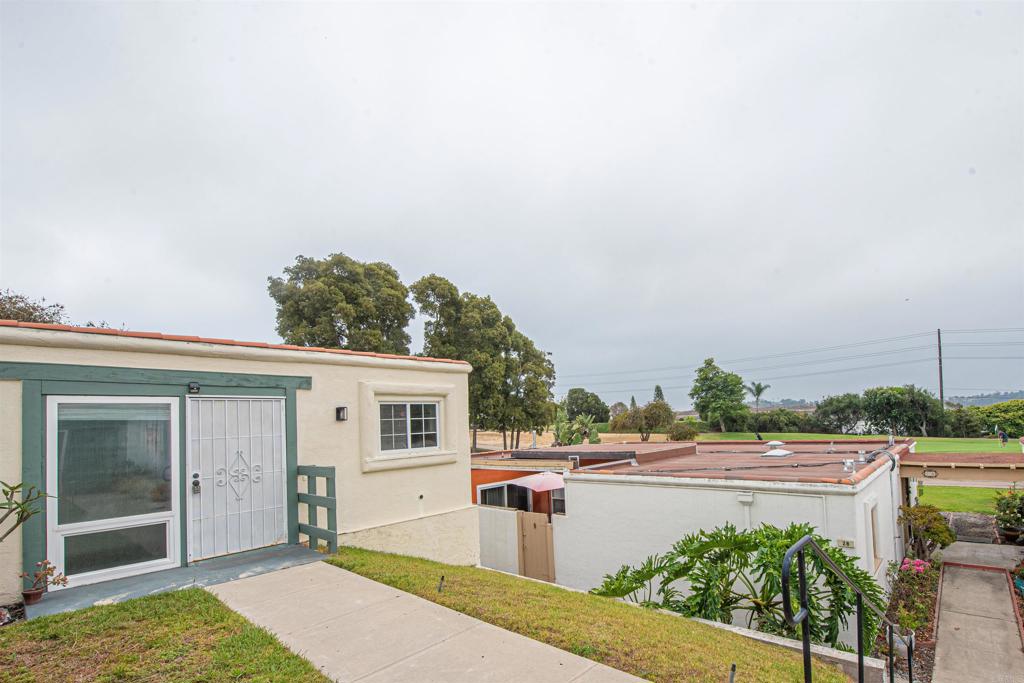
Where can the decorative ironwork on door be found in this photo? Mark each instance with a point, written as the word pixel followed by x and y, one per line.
pixel 239 475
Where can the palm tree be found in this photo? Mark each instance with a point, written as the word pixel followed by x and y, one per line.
pixel 757 389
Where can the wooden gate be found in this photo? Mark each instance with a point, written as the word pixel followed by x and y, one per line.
pixel 536 546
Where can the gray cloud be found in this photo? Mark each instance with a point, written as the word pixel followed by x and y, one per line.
pixel 637 185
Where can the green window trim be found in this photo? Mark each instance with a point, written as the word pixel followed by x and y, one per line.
pixel 39 380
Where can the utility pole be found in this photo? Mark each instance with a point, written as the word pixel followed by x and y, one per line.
pixel 942 394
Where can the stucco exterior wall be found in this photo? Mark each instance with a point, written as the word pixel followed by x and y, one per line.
pixel 433 497
pixel 10 472
pixel 611 521
pixel 499 539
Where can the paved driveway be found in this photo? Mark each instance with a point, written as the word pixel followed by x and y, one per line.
pixel 355 629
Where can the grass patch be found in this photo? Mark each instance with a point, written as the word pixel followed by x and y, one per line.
pixel 960 498
pixel 186 635
pixel 925 444
pixel 652 645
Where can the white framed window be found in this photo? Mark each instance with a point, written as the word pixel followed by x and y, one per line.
pixel 505 495
pixel 409 426
pixel 112 474
pixel 558 501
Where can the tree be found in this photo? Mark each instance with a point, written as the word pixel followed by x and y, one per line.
pixel 632 403
pixel 965 422
pixel 840 414
pixel 1008 416
pixel 341 303
pixel 906 410
pixel 729 572
pixel 579 401
pixel 682 431
pixel 464 326
pixel 522 403
pixel 616 409
pixel 659 395
pixel 655 416
pixel 756 390
pixel 14 306
pixel 718 395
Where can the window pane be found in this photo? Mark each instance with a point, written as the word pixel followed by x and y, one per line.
pixel 416 426
pixel 385 443
pixel 386 428
pixel 429 440
pixel 385 412
pixel 113 460
pixel 494 496
pixel 398 411
pixel 430 425
pixel 106 549
pixel 416 410
pixel 398 426
pixel 430 410
pixel 401 441
pixel 417 441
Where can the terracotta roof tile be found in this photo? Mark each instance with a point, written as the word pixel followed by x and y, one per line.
pixel 222 342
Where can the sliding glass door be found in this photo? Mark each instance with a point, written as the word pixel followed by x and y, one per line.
pixel 112 474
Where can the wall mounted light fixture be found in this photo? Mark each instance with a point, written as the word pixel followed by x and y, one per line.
pixel 341 413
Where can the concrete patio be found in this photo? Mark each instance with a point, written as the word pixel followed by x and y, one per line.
pixel 355 629
pixel 205 573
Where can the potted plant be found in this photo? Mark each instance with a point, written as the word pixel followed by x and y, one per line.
pixel 44 576
pixel 1010 514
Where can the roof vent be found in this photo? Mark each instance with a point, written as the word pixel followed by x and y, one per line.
pixel 777 453
pixel 775 444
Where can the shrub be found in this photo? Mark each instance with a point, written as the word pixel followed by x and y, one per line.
pixel 928 528
pixel 1010 509
pixel 682 431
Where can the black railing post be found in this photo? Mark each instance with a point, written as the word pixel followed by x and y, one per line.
pixel 805 625
pixel 892 658
pixel 860 639
pixel 910 659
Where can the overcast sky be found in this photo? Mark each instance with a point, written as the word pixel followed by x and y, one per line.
pixel 638 186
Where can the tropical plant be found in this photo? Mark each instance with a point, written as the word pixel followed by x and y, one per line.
pixel 583 429
pixel 729 573
pixel 18 504
pixel 929 530
pixel 562 429
pixel 756 391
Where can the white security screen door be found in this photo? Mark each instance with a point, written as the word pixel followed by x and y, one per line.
pixel 112 476
pixel 236 475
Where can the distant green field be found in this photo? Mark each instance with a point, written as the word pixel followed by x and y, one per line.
pixel 925 444
pixel 960 498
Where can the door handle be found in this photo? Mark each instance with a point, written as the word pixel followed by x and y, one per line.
pixel 195 482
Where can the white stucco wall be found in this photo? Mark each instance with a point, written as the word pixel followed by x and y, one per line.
pixel 10 472
pixel 370 497
pixel 611 521
pixel 499 539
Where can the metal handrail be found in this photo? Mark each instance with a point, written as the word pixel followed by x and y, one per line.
pixel 802 618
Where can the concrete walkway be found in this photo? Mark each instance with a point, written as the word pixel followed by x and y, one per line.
pixel 978 638
pixel 355 629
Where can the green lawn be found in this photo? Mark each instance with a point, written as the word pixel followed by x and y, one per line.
pixel 653 645
pixel 925 444
pixel 186 635
pixel 960 498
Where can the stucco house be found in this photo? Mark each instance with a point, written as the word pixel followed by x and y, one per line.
pixel 161 450
pixel 622 512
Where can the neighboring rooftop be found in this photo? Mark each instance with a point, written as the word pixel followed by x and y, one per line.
pixel 816 462
pixel 560 457
pixel 208 340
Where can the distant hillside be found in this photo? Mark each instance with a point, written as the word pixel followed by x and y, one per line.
pixel 986 399
pixel 787 403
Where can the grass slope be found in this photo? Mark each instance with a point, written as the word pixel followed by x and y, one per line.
pixel 187 635
pixel 960 498
pixel 653 645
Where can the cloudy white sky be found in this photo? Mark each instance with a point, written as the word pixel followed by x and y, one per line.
pixel 638 186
